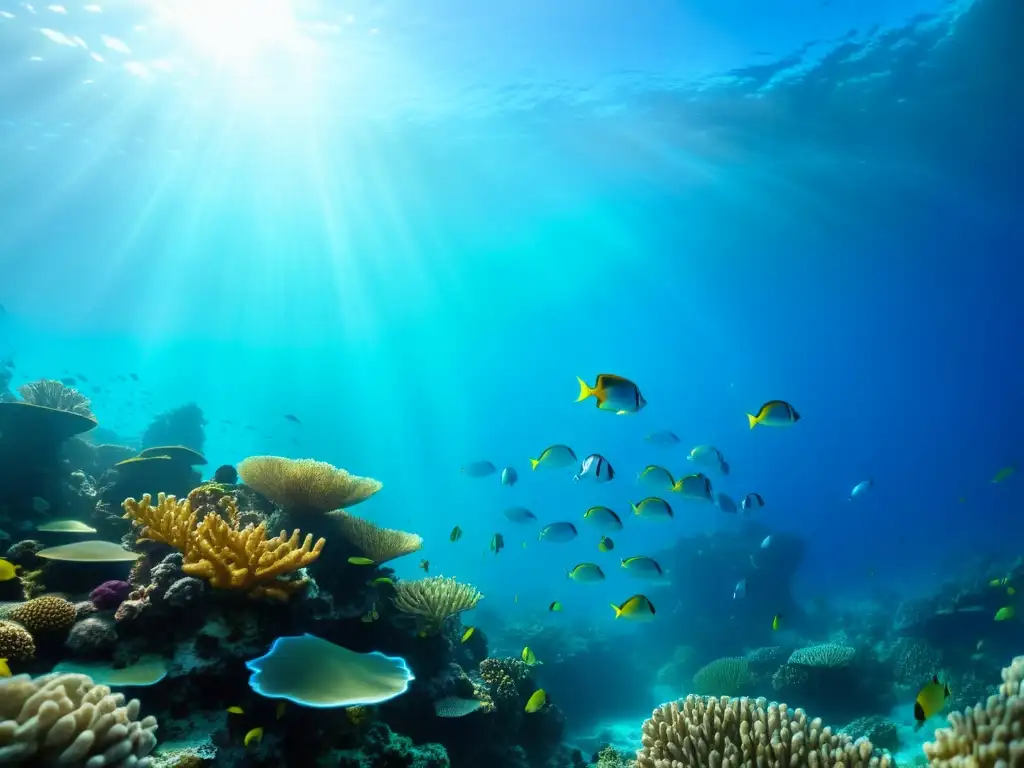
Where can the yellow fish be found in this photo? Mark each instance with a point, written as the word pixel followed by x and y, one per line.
pixel 776 622
pixel 774 413
pixel 999 582
pixel 1005 613
pixel 529 658
pixel 5 671
pixel 236 710
pixel 613 393
pixel 468 633
pixel 537 700
pixel 930 700
pixel 281 707
pixel 652 508
pixel 554 457
pixel 555 607
pixel 8 570
pixel 425 565
pixel 1011 591
pixel 637 608
pixel 253 736
pixel 380 581
pixel 1003 473
pixel 605 544
pixel 361 561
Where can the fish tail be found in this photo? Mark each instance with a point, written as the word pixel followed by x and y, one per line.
pixel 753 420
pixel 534 463
pixel 618 611
pixel 585 390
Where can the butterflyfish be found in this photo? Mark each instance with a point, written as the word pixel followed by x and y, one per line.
pixel 752 501
pixel 603 518
pixel 695 486
pixel 255 736
pixel 658 478
pixel 652 508
pixel 774 413
pixel 519 515
pixel 425 565
pixel 636 608
pixel 554 457
pixel 613 393
pixel 558 532
pixel 5 671
pixel 509 476
pixel 236 710
pixel 468 633
pixel 776 622
pixel 555 607
pixel 643 567
pixel 725 503
pixel 381 581
pixel 587 573
pixel 1005 613
pixel 709 456
pixel 8 570
pixel 930 701
pixel 361 561
pixel 478 469
pixel 662 437
pixel 595 467
pixel 455 535
pixel 605 544
pixel 497 543
pixel 529 657
pixel 537 700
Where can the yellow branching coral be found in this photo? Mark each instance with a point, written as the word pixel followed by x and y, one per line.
pixel 220 551
pixel 435 599
pixel 377 543
pixel 304 485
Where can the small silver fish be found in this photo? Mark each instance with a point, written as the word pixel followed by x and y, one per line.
pixel 861 488
pixel 725 503
pixel 479 469
pixel 741 590
pixel 597 468
pixel 767 542
pixel 509 476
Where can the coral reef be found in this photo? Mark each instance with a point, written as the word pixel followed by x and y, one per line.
pixel 49 393
pixel 305 486
pixel 435 599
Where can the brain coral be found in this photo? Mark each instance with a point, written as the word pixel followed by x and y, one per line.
pixel 15 642
pixel 44 614
pixel 701 732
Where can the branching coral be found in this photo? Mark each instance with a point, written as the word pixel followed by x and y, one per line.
pixel 435 599
pixel 304 485
pixel 65 719
pixel 990 734
pixel 218 550
pixel 503 677
pixel 53 394
pixel 726 733
pixel 378 544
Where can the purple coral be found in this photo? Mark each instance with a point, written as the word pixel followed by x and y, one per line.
pixel 110 594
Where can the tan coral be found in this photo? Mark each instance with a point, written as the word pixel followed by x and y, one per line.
pixel 377 543
pixel 700 732
pixel 44 614
pixel 16 644
pixel 305 486
pixel 989 735
pixel 218 550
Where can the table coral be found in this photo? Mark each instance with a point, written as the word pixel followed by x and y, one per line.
pixel 221 552
pixel 304 485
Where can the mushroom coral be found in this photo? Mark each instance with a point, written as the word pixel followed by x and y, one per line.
pixel 220 551
pixel 377 543
pixel 313 672
pixel 304 486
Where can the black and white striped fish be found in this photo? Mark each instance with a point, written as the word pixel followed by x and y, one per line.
pixel 596 468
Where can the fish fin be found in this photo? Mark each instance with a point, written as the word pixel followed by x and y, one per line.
pixel 585 390
pixel 618 611
pixel 534 463
pixel 635 508
pixel 752 420
pixel 935 679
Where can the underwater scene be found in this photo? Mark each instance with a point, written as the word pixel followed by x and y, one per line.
pixel 421 384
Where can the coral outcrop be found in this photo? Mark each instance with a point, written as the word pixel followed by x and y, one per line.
pixel 218 550
pixel 304 486
pixel 435 599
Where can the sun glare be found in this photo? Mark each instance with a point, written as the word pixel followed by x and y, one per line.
pixel 235 32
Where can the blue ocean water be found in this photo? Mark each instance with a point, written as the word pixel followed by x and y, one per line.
pixel 412 225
